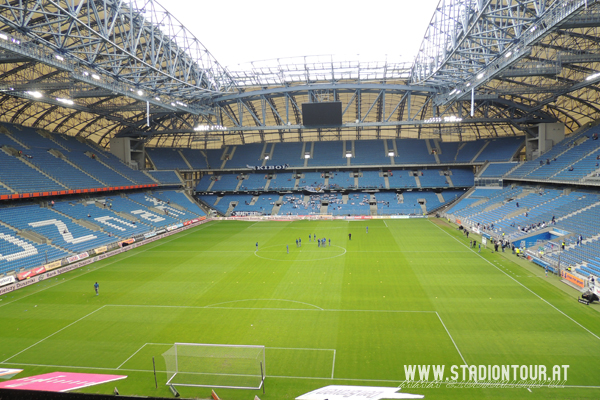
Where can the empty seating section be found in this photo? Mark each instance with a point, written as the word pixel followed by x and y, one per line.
pixel 312 180
pixel 61 171
pixel 432 179
pixel 468 150
pixel 205 183
pixel 166 158
pixel 549 159
pixel 209 199
pixel 490 197
pixel 288 153
pixel 166 177
pixel 327 153
pixel 226 182
pixel 22 178
pixel 154 203
pixel 451 195
pixel 581 168
pixel 136 176
pixel 448 151
pixel 341 180
pixel 226 200
pixel 370 180
pixel 17 253
pixel 102 216
pixel 263 204
pixel 143 215
pixel 180 199
pixel 249 154
pixel 413 151
pixel 462 177
pixel 282 181
pixel 333 153
pixel 401 179
pixel 254 182
pixel 214 158
pixel 98 170
pixel 497 170
pixel 195 157
pixel 501 149
pixel 56 227
pixel 369 152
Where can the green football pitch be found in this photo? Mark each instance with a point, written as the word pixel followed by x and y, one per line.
pixel 356 312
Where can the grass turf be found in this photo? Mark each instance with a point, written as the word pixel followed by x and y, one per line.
pixel 408 292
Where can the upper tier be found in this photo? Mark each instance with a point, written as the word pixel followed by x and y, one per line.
pixel 345 153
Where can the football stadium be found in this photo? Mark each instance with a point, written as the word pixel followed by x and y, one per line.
pixel 310 228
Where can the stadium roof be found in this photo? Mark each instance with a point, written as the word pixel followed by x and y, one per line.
pixel 485 68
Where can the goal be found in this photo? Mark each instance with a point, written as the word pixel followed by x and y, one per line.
pixel 215 365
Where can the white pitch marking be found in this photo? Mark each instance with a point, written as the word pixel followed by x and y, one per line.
pixel 270 376
pixel 451 338
pixel 525 287
pixel 138 350
pixel 49 336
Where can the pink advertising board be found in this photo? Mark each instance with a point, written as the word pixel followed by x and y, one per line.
pixel 59 381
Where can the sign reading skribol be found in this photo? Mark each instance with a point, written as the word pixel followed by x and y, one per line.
pixel 59 381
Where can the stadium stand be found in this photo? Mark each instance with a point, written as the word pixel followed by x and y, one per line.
pixel 166 158
pixel 327 154
pixel 401 179
pixel 369 152
pixel 166 177
pixel 448 151
pixel 179 198
pixel 433 178
pixel 139 212
pixel 497 170
pixel 462 177
pixel 101 216
pixel 312 180
pixel 341 180
pixel 371 180
pixel 214 158
pixel 226 182
pixel 255 181
pixel 413 151
pixel 195 158
pixel 282 181
pixel 63 232
pixel 263 205
pixel 249 154
pixel 287 153
pixel 501 149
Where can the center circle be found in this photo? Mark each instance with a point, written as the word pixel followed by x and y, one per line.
pixel 307 252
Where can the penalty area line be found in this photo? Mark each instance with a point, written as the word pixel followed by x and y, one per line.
pixel 451 338
pixel 49 336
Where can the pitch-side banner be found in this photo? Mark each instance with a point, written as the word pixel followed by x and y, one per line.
pixel 59 381
pixel 7 373
pixel 267 167
pixel 7 280
pixel 339 392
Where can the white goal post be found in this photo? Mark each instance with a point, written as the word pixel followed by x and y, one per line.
pixel 215 365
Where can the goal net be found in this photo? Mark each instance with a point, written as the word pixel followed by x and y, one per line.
pixel 215 365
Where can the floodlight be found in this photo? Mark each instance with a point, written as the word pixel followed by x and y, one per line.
pixel 36 94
